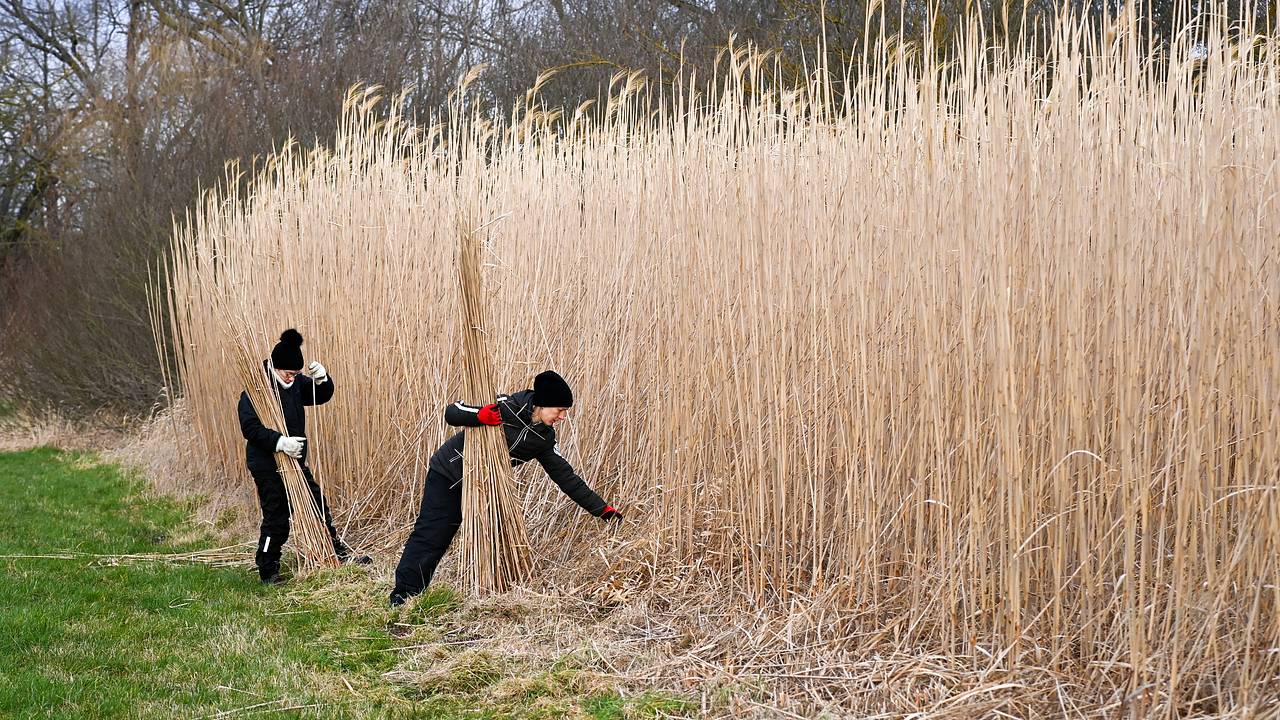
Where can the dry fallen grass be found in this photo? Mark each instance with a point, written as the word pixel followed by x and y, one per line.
pixel 957 395
pixel 24 430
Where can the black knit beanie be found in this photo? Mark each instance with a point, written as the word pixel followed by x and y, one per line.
pixel 550 390
pixel 287 354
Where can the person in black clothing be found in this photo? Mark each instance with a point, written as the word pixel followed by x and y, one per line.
pixel 528 418
pixel 296 390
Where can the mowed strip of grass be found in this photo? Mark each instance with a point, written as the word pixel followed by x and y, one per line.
pixel 87 637
pixel 79 638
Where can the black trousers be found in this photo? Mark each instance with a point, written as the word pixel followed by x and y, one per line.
pixel 274 502
pixel 438 521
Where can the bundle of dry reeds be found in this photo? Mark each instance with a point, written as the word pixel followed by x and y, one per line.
pixel 493 542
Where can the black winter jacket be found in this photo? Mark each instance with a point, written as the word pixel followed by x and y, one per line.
pixel 260 441
pixel 525 441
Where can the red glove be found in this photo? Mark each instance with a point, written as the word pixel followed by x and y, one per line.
pixel 489 415
pixel 611 514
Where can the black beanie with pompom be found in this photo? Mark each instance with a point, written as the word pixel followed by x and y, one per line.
pixel 550 390
pixel 287 354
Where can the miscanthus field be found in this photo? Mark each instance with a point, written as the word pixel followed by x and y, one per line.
pixel 932 386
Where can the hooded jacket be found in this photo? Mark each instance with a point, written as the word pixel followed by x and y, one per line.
pixel 525 441
pixel 260 441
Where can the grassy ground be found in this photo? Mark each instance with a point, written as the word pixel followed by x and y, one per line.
pixel 86 638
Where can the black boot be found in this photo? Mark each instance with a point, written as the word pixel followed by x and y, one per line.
pixel 269 573
pixel 346 554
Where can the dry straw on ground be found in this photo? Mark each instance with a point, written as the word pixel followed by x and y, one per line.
pixel 957 392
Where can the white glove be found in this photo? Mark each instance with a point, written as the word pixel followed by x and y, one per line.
pixel 291 446
pixel 317 372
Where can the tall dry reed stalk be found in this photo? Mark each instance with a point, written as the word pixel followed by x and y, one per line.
pixel 971 360
pixel 494 546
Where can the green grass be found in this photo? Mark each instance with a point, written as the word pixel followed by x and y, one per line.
pixel 80 638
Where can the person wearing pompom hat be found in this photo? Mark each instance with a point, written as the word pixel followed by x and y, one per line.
pixel 296 390
pixel 528 418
